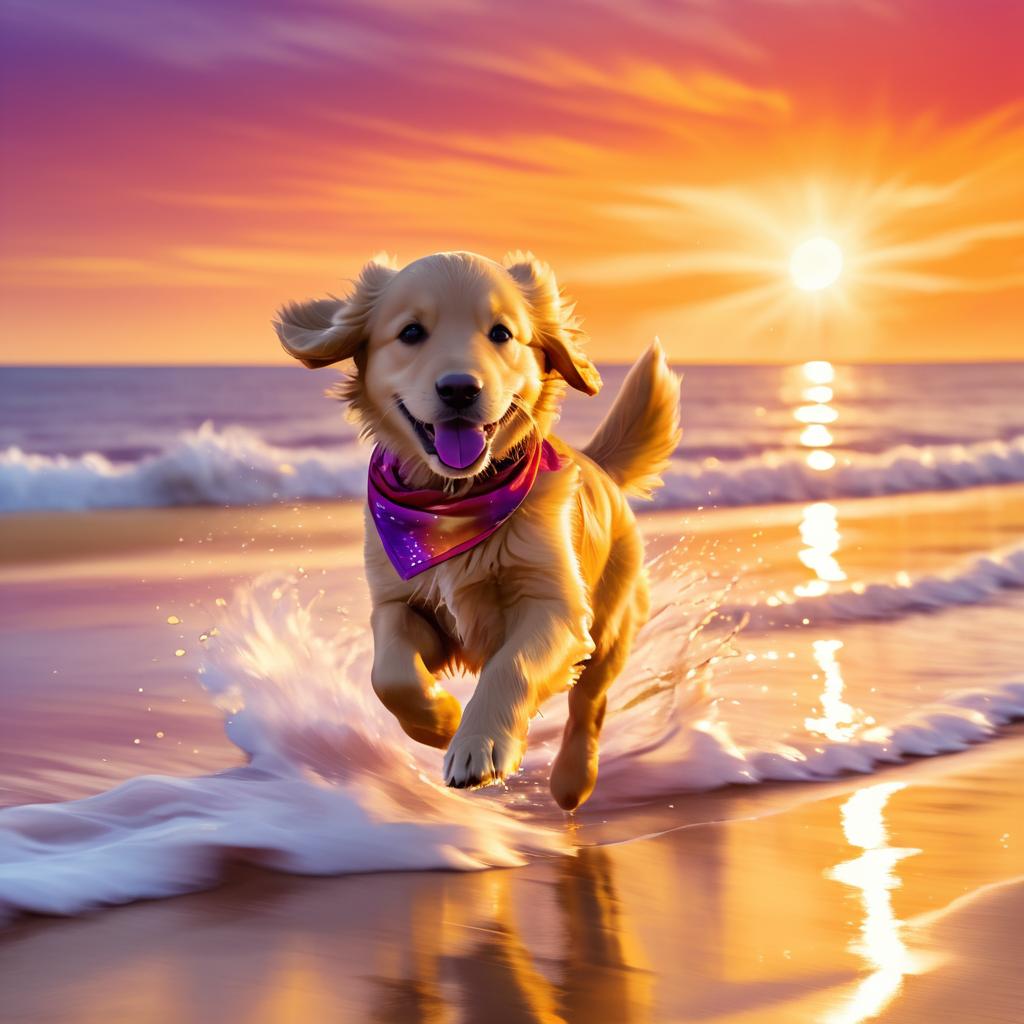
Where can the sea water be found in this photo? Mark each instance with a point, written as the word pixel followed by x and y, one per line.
pixel 736 679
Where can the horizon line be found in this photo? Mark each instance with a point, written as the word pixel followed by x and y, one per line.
pixel 610 363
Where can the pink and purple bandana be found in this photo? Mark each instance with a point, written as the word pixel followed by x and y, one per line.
pixel 420 528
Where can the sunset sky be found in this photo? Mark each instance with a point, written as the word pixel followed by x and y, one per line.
pixel 172 171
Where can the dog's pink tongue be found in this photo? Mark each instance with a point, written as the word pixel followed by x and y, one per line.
pixel 458 442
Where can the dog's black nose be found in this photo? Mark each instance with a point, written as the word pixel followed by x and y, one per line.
pixel 459 390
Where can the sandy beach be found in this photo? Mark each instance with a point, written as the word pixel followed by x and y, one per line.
pixel 893 896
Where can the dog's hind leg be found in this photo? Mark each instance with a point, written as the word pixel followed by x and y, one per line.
pixel 623 603
pixel 574 772
pixel 407 653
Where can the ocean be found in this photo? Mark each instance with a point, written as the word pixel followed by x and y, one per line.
pixel 837 569
pixel 101 437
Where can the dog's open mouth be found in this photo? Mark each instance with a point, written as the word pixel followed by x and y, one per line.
pixel 456 442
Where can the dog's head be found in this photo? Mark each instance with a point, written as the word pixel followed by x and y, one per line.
pixel 458 359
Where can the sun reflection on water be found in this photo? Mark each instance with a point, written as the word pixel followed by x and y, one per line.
pixel 817 413
pixel 838 720
pixel 873 875
pixel 820 394
pixel 820 460
pixel 819 371
pixel 819 530
pixel 817 376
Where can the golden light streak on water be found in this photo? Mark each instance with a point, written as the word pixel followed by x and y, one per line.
pixel 819 371
pixel 838 720
pixel 819 530
pixel 818 413
pixel 816 436
pixel 873 875
pixel 818 375
pixel 820 460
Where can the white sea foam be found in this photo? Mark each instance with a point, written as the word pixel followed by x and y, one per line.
pixel 705 756
pixel 786 476
pixel 209 466
pixel 333 785
pixel 234 466
pixel 977 581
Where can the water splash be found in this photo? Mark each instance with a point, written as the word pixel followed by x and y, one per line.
pixel 333 786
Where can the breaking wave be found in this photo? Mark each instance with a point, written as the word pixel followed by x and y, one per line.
pixel 785 476
pixel 234 466
pixel 975 582
pixel 208 466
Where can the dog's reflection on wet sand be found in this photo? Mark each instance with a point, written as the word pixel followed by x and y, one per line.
pixel 595 973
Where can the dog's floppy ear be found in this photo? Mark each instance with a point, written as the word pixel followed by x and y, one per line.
pixel 556 327
pixel 325 331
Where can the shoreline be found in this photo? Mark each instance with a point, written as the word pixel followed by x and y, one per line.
pixel 112 536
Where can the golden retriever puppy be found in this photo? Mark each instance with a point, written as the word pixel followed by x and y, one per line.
pixel 491 544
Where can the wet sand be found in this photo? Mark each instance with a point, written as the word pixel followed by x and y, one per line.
pixel 896 896
pixel 836 909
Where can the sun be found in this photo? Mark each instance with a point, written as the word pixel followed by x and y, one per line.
pixel 816 264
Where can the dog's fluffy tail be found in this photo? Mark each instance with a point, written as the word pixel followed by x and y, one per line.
pixel 638 436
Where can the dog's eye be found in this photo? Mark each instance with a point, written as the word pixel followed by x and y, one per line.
pixel 412 334
pixel 499 334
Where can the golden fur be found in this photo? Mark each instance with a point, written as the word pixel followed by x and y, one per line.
pixel 553 599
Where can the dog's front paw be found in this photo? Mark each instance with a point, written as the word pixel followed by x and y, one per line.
pixel 477 759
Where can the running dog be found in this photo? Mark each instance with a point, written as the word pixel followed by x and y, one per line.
pixel 492 545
